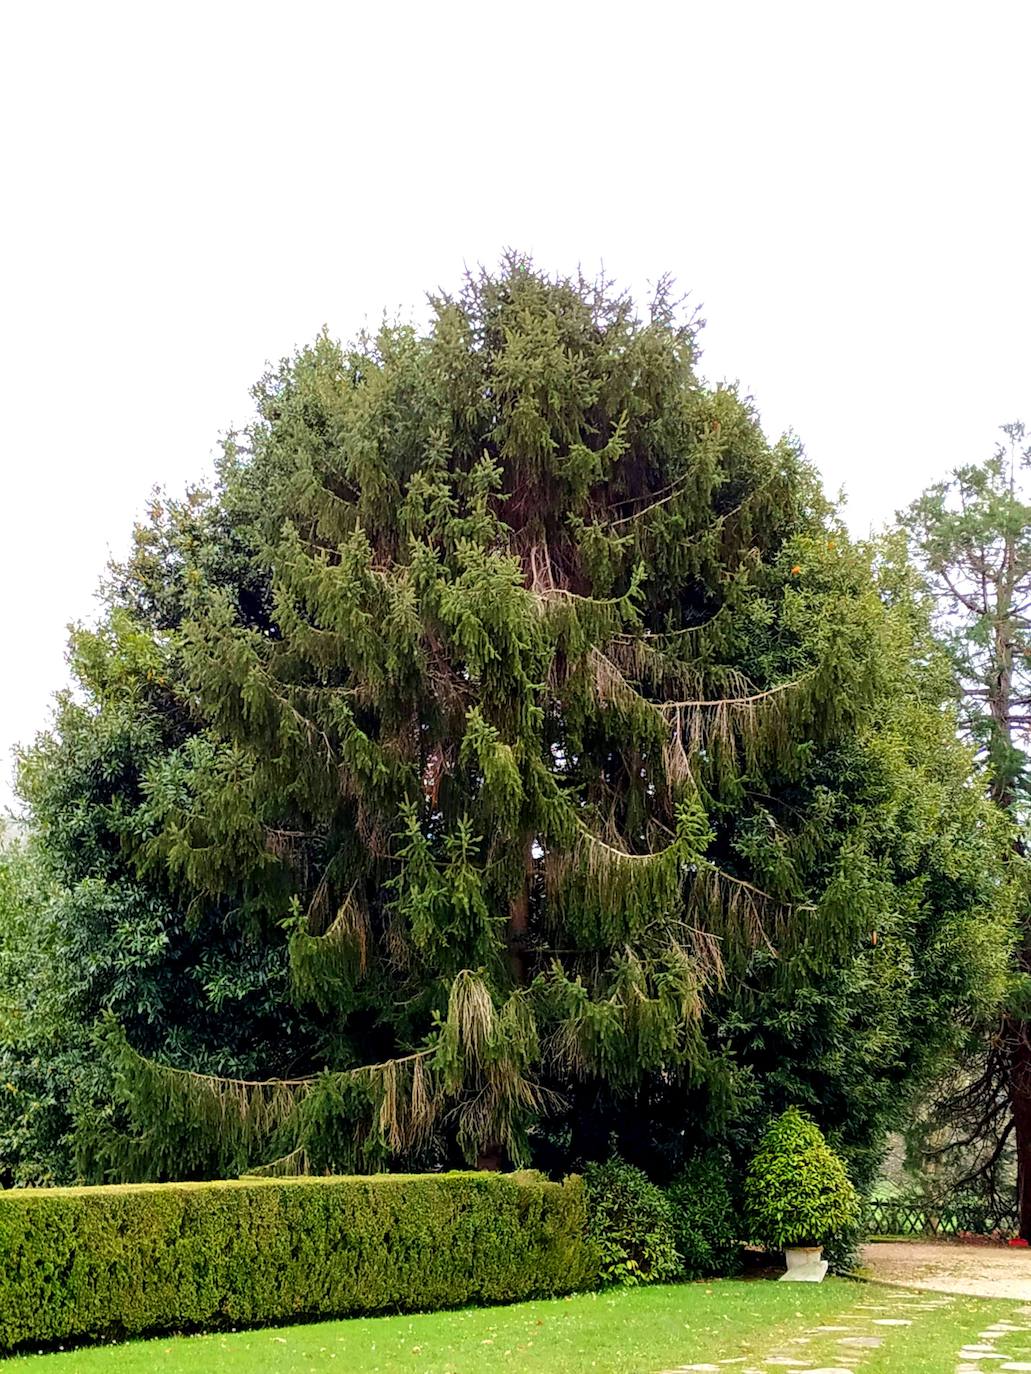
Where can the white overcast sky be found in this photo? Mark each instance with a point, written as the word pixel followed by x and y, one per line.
pixel 190 190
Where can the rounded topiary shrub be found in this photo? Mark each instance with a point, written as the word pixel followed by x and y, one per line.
pixel 706 1224
pixel 797 1191
pixel 631 1222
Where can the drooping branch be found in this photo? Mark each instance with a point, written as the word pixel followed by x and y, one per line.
pixel 619 896
pixel 474 1075
pixel 699 628
pixel 323 963
pixel 708 730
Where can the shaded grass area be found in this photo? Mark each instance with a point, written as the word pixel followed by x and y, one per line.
pixel 639 1331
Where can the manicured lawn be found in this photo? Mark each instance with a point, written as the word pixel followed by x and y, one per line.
pixel 643 1331
pixel 932 1347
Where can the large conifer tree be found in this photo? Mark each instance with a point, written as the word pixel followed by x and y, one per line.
pixel 554 742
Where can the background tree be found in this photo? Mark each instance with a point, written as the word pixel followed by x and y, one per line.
pixel 972 534
pixel 527 723
pixel 23 893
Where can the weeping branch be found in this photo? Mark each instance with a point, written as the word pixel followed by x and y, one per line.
pixel 610 895
pixel 698 628
pixel 337 957
pixel 671 493
pixel 475 1076
pixel 739 701
pixel 715 729
pixel 753 726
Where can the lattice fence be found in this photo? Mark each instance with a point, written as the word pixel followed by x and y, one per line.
pixel 902 1219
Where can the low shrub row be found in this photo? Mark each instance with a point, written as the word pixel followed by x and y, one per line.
pixel 89 1263
pixel 647 1234
pixel 795 1192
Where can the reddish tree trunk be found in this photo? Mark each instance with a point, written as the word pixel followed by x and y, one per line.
pixel 518 931
pixel 1020 1099
pixel 1018 1034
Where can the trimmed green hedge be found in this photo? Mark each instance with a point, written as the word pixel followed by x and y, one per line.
pixel 84 1263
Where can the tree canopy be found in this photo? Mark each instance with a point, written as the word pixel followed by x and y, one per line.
pixel 512 750
pixel 972 533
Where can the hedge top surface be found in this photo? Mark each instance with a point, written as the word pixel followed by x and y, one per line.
pixel 520 1178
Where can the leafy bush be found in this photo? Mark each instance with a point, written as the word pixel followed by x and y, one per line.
pixel 841 1250
pixel 631 1222
pixel 797 1191
pixel 706 1225
pixel 82 1263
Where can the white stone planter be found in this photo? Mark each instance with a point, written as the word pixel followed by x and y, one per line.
pixel 805 1264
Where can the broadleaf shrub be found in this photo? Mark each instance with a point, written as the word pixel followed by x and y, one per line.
pixel 841 1250
pixel 706 1222
pixel 630 1220
pixel 85 1263
pixel 797 1190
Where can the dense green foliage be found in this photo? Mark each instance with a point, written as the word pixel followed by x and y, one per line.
pixel 82 934
pixel 26 1096
pixel 631 1223
pixel 511 750
pixel 797 1190
pixel 707 1228
pixel 108 1262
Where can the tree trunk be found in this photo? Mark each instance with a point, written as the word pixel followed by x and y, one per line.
pixel 518 932
pixel 492 1153
pixel 1004 794
pixel 519 918
pixel 1020 1098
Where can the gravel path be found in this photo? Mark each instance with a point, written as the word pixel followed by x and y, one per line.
pixel 982 1271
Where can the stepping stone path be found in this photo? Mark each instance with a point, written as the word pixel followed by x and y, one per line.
pixel 982 1356
pixel 869 1325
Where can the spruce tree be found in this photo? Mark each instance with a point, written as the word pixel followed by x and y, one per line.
pixel 552 741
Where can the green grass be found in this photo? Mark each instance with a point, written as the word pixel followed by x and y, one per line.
pixel 934 1348
pixel 639 1331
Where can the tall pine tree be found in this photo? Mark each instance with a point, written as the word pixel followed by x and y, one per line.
pixel 574 753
